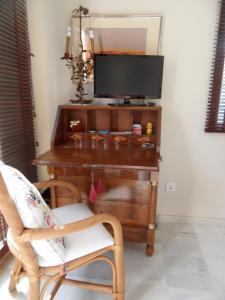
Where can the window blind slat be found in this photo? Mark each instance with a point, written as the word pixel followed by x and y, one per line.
pixel 17 137
pixel 215 115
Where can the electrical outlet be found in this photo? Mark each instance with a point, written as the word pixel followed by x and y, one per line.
pixel 170 187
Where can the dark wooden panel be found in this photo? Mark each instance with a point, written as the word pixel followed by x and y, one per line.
pixel 102 120
pixel 121 120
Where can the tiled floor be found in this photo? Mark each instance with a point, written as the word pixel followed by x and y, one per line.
pixel 188 264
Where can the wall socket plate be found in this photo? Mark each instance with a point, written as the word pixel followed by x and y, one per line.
pixel 171 187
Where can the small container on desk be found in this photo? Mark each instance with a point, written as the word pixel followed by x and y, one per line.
pixel 137 129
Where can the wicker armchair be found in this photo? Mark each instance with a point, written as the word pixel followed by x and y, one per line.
pixel 27 264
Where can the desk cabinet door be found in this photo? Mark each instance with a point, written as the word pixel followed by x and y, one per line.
pixel 126 195
pixel 127 199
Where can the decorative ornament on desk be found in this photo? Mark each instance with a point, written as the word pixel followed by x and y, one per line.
pixel 149 128
pixel 92 194
pixel 80 66
pixel 100 189
pixel 75 125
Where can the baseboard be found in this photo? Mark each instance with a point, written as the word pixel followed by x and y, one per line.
pixel 190 220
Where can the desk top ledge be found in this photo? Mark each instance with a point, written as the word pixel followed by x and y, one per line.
pixel 70 157
pixel 107 107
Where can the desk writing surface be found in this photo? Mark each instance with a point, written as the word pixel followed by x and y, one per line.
pixel 96 154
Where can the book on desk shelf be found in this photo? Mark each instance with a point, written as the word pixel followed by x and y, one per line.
pixel 120 132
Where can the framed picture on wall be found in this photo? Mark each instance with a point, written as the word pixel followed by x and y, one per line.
pixel 117 34
pixel 129 34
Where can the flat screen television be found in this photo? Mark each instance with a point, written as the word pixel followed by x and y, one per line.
pixel 128 76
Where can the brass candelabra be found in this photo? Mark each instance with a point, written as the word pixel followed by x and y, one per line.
pixel 80 67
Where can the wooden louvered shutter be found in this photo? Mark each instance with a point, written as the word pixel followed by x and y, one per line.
pixel 17 140
pixel 215 119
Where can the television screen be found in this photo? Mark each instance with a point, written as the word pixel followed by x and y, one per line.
pixel 133 76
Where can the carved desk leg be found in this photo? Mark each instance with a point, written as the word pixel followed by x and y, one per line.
pixel 152 214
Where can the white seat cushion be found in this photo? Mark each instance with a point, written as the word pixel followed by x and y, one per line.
pixel 80 243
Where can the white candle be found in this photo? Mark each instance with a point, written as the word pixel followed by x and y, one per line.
pixel 91 34
pixel 91 39
pixel 69 31
pixel 68 39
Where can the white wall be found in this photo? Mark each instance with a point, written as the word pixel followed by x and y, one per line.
pixel 193 159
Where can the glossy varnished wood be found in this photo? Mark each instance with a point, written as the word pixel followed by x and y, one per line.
pixel 101 154
pixel 104 117
pixel 108 107
pixel 128 170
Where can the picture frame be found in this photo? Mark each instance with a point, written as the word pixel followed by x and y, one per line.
pixel 116 34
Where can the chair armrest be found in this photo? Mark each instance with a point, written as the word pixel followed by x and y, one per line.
pixel 60 231
pixel 55 183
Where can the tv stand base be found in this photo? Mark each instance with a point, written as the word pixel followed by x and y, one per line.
pixel 132 105
pixel 126 105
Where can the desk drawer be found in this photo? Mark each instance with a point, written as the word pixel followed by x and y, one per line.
pixel 116 189
pixel 118 173
pixel 127 213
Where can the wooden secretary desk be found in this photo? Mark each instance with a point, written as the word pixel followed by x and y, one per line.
pixel 126 164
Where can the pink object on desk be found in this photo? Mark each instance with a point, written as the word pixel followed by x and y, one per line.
pixel 92 195
pixel 100 187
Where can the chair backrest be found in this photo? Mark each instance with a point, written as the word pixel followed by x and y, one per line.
pixel 23 207
pixel 9 211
